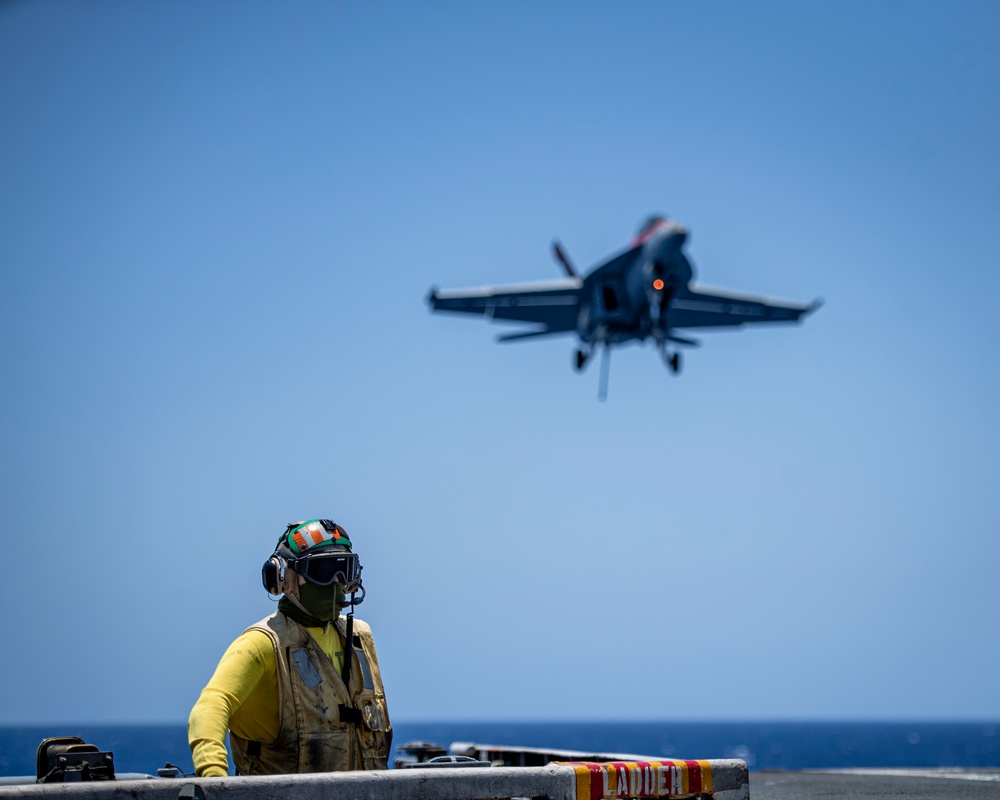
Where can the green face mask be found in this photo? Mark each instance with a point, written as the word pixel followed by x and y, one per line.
pixel 322 602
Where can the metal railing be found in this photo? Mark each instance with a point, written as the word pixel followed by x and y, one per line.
pixel 724 779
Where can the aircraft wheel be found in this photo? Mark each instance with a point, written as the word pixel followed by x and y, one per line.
pixel 675 363
pixel 581 359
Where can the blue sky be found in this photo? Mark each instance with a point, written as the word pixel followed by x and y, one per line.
pixel 220 222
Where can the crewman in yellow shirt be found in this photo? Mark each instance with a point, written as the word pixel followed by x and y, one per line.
pixel 299 691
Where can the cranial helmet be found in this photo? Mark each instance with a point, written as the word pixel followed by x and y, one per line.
pixel 318 550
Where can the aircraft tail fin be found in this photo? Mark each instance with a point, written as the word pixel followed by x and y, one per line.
pixel 562 258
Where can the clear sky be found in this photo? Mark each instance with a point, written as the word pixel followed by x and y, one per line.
pixel 218 225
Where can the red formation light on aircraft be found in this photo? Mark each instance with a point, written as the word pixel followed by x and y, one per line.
pixel 658 285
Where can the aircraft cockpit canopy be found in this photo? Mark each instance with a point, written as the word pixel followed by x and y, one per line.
pixel 650 226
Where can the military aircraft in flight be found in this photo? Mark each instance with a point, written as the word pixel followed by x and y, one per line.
pixel 644 292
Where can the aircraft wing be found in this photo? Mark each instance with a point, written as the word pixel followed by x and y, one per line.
pixel 700 307
pixel 552 304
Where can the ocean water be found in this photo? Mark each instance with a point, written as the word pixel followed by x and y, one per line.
pixel 763 745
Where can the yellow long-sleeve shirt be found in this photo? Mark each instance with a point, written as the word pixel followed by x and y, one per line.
pixel 242 696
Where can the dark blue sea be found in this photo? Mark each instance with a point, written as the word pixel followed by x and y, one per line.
pixel 763 745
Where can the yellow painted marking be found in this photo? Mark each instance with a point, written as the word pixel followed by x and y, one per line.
pixel 582 781
pixel 706 777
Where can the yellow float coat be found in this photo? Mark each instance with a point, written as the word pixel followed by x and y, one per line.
pixel 242 696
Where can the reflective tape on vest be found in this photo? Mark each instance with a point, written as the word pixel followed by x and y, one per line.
pixel 625 779
pixel 366 671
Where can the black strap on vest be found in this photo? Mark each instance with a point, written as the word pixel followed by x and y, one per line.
pixel 345 673
pixel 253 749
pixel 350 715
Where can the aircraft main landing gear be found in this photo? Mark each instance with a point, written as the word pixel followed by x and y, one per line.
pixel 674 362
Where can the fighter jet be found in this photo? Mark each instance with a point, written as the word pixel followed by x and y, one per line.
pixel 644 292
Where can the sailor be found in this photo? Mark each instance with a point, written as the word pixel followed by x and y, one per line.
pixel 299 691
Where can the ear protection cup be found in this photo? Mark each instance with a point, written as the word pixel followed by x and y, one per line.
pixel 272 575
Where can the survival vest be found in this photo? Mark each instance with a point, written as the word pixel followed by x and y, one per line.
pixel 322 727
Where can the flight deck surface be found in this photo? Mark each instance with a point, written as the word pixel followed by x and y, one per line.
pixel 918 784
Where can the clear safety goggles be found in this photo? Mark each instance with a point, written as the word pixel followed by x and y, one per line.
pixel 324 569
